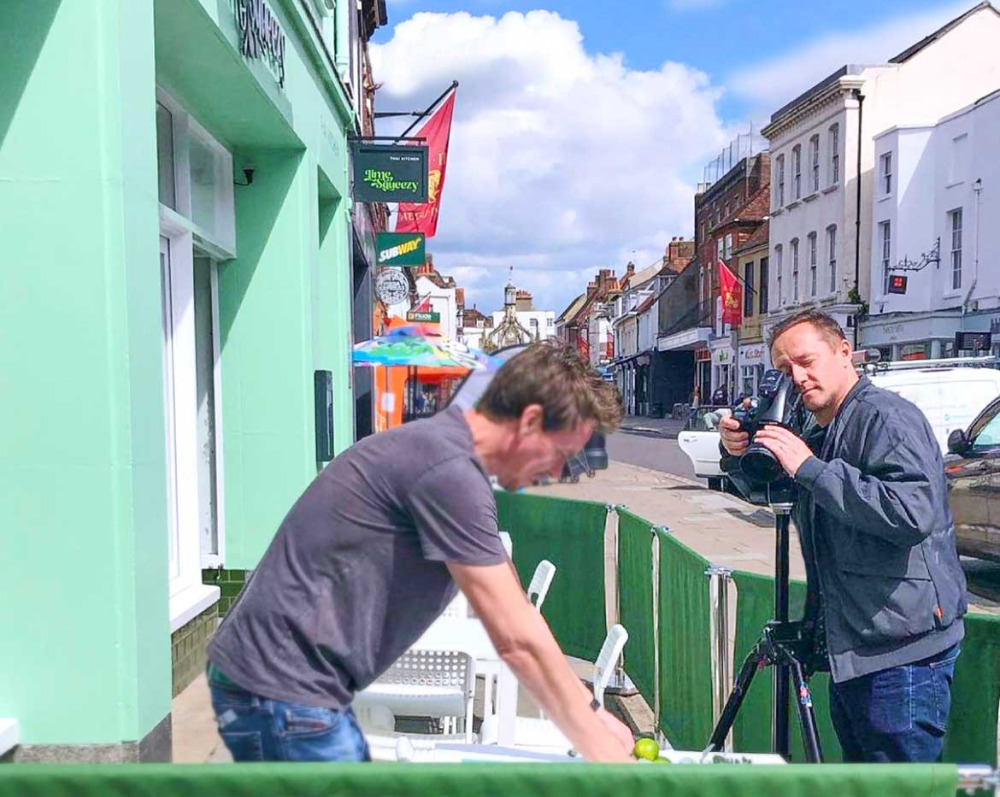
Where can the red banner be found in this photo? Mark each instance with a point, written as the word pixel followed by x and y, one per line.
pixel 424 217
pixel 732 296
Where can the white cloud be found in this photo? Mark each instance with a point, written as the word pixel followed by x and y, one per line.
pixel 561 161
pixel 772 83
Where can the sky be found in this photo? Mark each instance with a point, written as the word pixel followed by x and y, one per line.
pixel 582 128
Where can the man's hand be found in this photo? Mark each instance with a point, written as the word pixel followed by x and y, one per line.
pixel 734 440
pixel 788 447
pixel 619 729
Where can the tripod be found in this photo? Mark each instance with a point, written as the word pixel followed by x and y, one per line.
pixel 783 645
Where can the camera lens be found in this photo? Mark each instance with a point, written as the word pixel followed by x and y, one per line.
pixel 760 465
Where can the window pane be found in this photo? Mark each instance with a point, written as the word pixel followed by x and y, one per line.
pixel 203 184
pixel 205 387
pixel 165 156
pixel 173 544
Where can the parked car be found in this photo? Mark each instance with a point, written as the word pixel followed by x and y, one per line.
pixel 700 441
pixel 973 471
pixel 950 393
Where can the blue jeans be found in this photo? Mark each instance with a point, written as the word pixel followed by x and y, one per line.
pixel 895 715
pixel 257 728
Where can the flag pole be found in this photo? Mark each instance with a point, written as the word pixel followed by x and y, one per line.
pixel 452 87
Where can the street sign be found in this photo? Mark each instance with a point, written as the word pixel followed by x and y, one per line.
pixel 389 172
pixel 391 286
pixel 972 341
pixel 400 248
pixel 431 318
pixel 897 284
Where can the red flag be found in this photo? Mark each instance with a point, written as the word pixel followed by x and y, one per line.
pixel 424 217
pixel 424 305
pixel 732 296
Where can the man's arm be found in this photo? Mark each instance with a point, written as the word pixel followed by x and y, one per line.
pixel 525 643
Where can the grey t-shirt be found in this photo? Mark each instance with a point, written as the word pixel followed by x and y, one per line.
pixel 356 572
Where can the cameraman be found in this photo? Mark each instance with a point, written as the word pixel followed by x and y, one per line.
pixel 886 593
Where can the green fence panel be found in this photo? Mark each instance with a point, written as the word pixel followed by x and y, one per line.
pixel 752 729
pixel 635 600
pixel 685 645
pixel 570 534
pixel 473 780
pixel 975 693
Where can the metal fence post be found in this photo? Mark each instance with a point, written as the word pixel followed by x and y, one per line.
pixel 655 552
pixel 718 588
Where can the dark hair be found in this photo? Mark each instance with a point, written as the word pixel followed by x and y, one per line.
pixel 555 376
pixel 823 323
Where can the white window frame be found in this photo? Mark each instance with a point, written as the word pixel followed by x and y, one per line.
pixel 778 258
pixel 188 596
pixel 834 154
pixel 780 195
pixel 831 255
pixel 885 244
pixel 955 222
pixel 794 243
pixel 885 173
pixel 797 171
pixel 814 155
pixel 813 265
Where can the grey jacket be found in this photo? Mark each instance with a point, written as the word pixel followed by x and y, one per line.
pixel 877 536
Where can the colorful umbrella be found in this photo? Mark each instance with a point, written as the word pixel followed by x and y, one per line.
pixel 420 346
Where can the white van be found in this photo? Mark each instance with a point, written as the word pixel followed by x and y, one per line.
pixel 949 395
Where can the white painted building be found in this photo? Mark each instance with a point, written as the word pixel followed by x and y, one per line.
pixel 439 293
pixel 540 323
pixel 816 208
pixel 934 210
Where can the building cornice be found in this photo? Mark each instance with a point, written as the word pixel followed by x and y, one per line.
pixel 837 92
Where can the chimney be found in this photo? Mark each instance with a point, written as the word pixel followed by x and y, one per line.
pixel 460 298
pixel 591 288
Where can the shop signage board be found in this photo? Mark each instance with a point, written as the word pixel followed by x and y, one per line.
pixel 391 286
pixel 389 172
pixel 973 341
pixel 261 37
pixel 430 318
pixel 400 248
pixel 897 284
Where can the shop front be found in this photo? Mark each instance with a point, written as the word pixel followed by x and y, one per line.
pixel 916 336
pixel 723 370
pixel 184 327
pixel 753 361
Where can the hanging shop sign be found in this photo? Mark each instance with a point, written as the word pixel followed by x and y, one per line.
pixel 390 173
pixel 261 37
pixel 417 315
pixel 400 248
pixel 391 286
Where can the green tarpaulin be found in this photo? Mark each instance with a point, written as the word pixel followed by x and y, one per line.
pixel 975 693
pixel 752 730
pixel 473 780
pixel 685 646
pixel 635 600
pixel 570 534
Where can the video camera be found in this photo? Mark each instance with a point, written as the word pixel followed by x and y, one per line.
pixel 777 403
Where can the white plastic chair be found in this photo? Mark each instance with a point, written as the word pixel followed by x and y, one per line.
pixel 542 735
pixel 540 582
pixel 608 657
pixel 459 606
pixel 426 683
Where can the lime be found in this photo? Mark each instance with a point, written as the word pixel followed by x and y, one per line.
pixel 647 749
pixel 661 761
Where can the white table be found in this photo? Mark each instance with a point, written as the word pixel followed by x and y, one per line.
pixel 469 635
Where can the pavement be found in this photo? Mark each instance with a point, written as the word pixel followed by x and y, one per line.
pixel 664 427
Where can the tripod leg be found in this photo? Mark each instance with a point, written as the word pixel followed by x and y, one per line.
pixel 753 662
pixel 807 717
pixel 779 728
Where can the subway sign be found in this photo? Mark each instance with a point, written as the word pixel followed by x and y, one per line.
pixel 400 248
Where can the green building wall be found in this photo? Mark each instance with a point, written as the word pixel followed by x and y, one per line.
pixel 85 643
